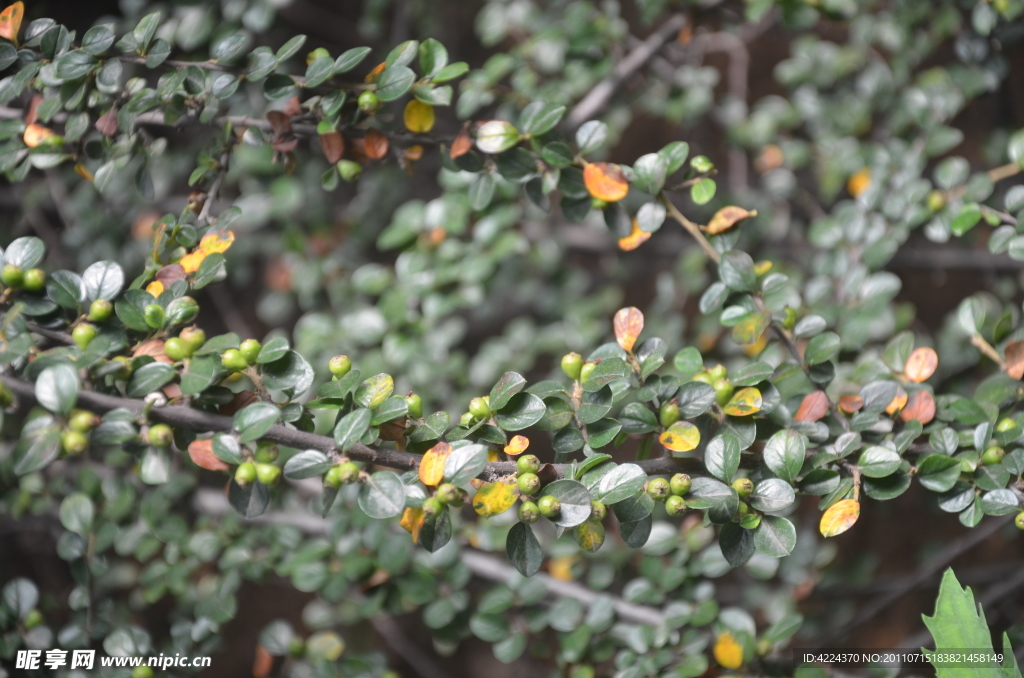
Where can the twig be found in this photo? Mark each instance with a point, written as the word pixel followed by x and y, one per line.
pixel 173 63
pixel 598 97
pixel 996 174
pixel 418 660
pixel 214 193
pixel 987 348
pixel 213 502
pixel 693 229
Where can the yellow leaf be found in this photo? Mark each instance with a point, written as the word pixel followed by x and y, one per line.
pixel 412 521
pixel 492 455
pixel 494 498
pixel 897 403
pixel 859 182
pixel 517 445
pixel 216 241
pixel 36 134
pixel 83 171
pixel 628 324
pixel 589 535
pixel 921 364
pixel 839 517
pixel 561 568
pixel 156 288
pixel 682 436
pixel 728 652
pixel 377 70
pixel 636 238
pixel 10 21
pixel 605 181
pixel 745 401
pixel 432 465
pixel 726 218
pixel 419 117
pixel 762 267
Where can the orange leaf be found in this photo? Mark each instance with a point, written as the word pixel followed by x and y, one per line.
pixel 414 153
pixel 333 145
pixel 83 171
pixel 813 407
pixel 726 218
pixel 462 144
pixel 635 238
pixel 10 21
pixel 850 403
pixel 419 117
pixel 897 403
pixel 36 134
pixel 517 445
pixel 921 407
pixel 728 652
pixel 859 182
pixel 215 241
pixel 921 364
pixel 156 288
pixel 263 663
pixel 412 521
pixel 432 465
pixel 202 454
pixel 376 145
pixel 839 517
pixel 628 324
pixel 682 436
pixel 1015 359
pixel 605 181
pixel 377 70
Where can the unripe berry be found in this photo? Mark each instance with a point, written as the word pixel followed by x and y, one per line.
pixel 789 318
pixel 349 170
pixel 572 363
pixel 194 339
pixel 750 521
pixel 233 361
pixel 432 507
pixel 368 102
pixel 126 366
pixel 598 204
pixel 142 672
pixel 33 619
pixel 585 371
pixel 703 377
pixel 175 349
pixel 1019 520
pixel 480 408
pixel 936 201
pixel 12 276
pixel 718 372
pixel 743 487
pixel 1006 424
pixel 245 474
pixel 529 512
pixel 993 455
pixel 549 506
pixel 680 484
pixel 74 442
pixel 723 391
pixel 348 471
pixel 669 413
pixel 529 483
pixel 675 506
pixel 466 420
pixel 742 509
pixel 415 404
pixel 249 349
pixel 83 334
pixel 82 421
pixel 268 474
pixel 154 315
pixel 528 463
pixel 34 280
pixel 658 488
pixel 100 310
pixel 598 510
pixel 448 494
pixel 332 478
pixel 160 435
pixel 340 365
pixel 763 647
pixel 266 451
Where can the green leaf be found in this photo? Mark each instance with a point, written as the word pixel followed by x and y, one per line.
pixel 20 596
pixel 650 171
pixel 382 495
pixel 433 57
pixel 57 387
pixel 375 390
pixel 254 420
pixel 307 464
pixel 966 219
pixel 351 428
pixel 436 533
pixel 103 280
pixel 702 191
pixel 591 136
pixel 522 411
pixel 606 371
pixel 402 54
pixel 74 64
pixel 155 467
pixel 675 155
pixel 822 348
pixel 98 39
pixel 878 462
pixel 638 419
pixel 510 384
pixel 736 269
pixel 319 71
pixel 451 71
pixel 539 117
pixel 999 502
pixel 227 449
pixel 250 501
pixel 148 378
pixel 394 82
pixel 496 136
pixel 938 473
pixel 784 453
pixel 622 482
pixel 464 464
pixel 273 350
pixel 77 513
pixel 589 535
pixel 775 537
pixel 737 544
pixel 722 457
pixel 688 361
pixel 575 500
pixel 66 289
pixel 349 59
pixel 292 47
pixel 200 373
pixel 145 30
pixel 25 252
pixel 391 409
pixel 524 550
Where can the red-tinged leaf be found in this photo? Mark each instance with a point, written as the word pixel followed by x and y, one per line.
pixel 333 145
pixel 628 324
pixel 263 663
pixel 921 364
pixel 375 145
pixel 10 21
pixel 32 110
pixel 605 181
pixel 293 107
pixel 169 273
pixel 107 123
pixel 201 452
pixel 850 403
pixel 462 144
pixel 1015 359
pixel 153 348
pixel 920 406
pixel 813 407
pixel 280 122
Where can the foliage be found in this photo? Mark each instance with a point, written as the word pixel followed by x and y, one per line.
pixel 675 451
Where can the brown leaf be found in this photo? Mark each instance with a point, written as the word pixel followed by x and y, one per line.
pixel 293 107
pixel 107 123
pixel 284 140
pixel 605 181
pixel 850 403
pixel 628 323
pixel 241 399
pixel 154 348
pixel 32 110
pixel 813 407
pixel 333 145
pixel 920 406
pixel 547 474
pixel 393 430
pixel 169 273
pixel 462 144
pixel 201 452
pixel 921 364
pixel 726 218
pixel 263 663
pixel 1015 359
pixel 376 145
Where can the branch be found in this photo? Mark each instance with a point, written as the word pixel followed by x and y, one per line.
pixel 693 229
pixel 598 97
pixel 214 503
pixel 197 420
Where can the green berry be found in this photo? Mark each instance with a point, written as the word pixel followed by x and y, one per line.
pixel 12 276
pixel 245 474
pixel 743 487
pixel 332 478
pixel 6 397
pixel 993 455
pixel 154 315
pixel 751 521
pixel 74 442
pixel 723 391
pixel 479 408
pixel 1005 424
pixel 266 451
pixel 348 471
pixel 34 280
pixel 160 435
pixel 658 488
pixel 466 420
pixel 1019 520
pixel 549 506
pixel 82 421
pixel 529 483
pixel 175 349
pixel 789 318
pixel 268 474
pixel 249 349
pixel 528 463
pixel 449 494
pixel 368 102
pixel 233 361
pixel 83 334
pixel 142 672
pixel 297 647
pixel 742 509
pixel 763 647
pixel 703 377
pixel 680 484
pixel 586 370
pixel 529 512
pixel 415 404
pixel 316 54
pixel 432 507
pixel 718 372
pixel 598 510
pixel 340 365
pixel 572 364
pixel 598 204
pixel 33 619
pixel 669 413
pixel 936 201
pixel 100 310
pixel 194 339
pixel 675 505
pixel 349 170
